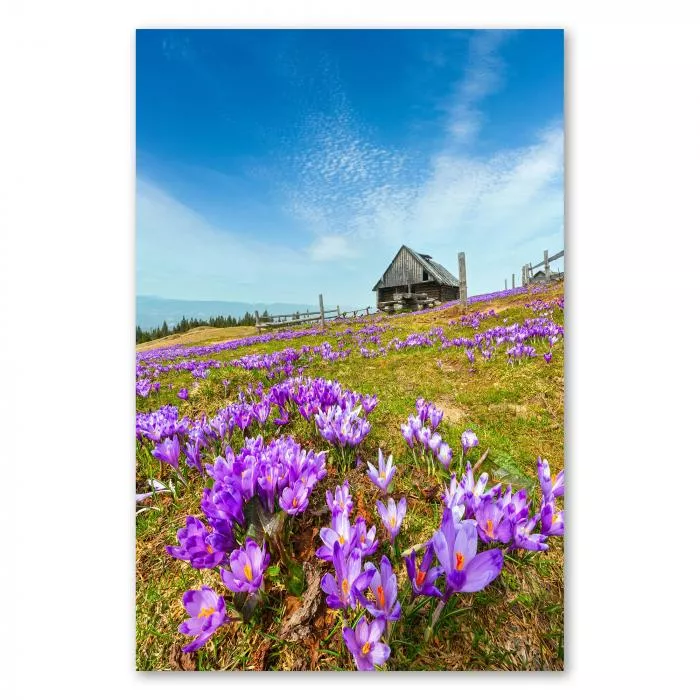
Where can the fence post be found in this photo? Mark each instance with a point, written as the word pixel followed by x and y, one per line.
pixel 546 265
pixel 257 321
pixel 462 263
pixel 320 303
pixel 513 281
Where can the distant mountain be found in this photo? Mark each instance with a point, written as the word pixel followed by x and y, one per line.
pixel 152 311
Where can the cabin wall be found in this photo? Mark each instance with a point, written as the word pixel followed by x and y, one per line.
pixel 405 269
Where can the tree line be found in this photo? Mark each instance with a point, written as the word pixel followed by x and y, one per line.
pixel 187 324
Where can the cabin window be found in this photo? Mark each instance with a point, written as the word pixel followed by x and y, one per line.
pixel 425 275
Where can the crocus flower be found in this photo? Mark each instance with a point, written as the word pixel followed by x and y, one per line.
pixel 473 492
pixel 444 455
pixel 341 502
pixel 524 539
pixel 195 546
pixel 392 515
pixel 469 440
pixel 168 451
pixel 547 357
pixel 382 477
pixel 434 416
pixel 369 403
pixel 364 645
pixel 423 578
pixel 491 523
pixel 385 591
pixel 365 538
pixel 434 443
pixel 183 394
pixel 552 520
pixel 465 570
pixel 207 611
pixel 339 589
pixel 558 485
pixel 408 434
pixel 294 499
pixel 247 567
pixel 340 531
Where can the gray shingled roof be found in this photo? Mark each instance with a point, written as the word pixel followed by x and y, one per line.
pixel 441 274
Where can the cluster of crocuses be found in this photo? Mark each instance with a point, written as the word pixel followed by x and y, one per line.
pixel 472 319
pixel 350 584
pixel 504 517
pixel 312 397
pixel 279 473
pixel 418 431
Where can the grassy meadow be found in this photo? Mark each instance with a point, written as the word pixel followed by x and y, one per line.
pixel 517 411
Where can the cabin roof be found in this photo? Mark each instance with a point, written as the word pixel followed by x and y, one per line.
pixel 439 273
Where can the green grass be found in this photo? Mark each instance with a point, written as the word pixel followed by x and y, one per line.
pixel 517 413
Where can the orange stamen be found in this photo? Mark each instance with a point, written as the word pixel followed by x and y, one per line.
pixel 294 502
pixel 365 648
pixel 345 586
pixel 420 577
pixel 381 599
pixel 248 572
pixel 489 528
pixel 460 561
pixel 205 612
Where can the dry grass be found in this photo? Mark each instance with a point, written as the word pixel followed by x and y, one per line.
pixel 202 335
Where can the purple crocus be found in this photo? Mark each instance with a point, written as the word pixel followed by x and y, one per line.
pixel 247 567
pixel 340 589
pixel 455 545
pixel 392 515
pixel 207 611
pixel 492 523
pixel 294 499
pixel 384 590
pixel 408 434
pixel 524 539
pixel 552 520
pixel 469 440
pixel 364 645
pixel 369 403
pixel 340 531
pixel 366 539
pixel 544 475
pixel 547 357
pixel 444 455
pixel 195 545
pixel 168 451
pixel 341 501
pixel 382 477
pixel 423 578
pixel 434 416
pixel 183 394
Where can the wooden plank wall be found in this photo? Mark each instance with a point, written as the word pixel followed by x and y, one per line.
pixel 403 270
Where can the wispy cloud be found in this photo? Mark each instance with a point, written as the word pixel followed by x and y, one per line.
pixel 355 195
pixel 483 76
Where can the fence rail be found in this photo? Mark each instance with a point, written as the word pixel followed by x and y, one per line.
pixel 290 319
pixel 527 269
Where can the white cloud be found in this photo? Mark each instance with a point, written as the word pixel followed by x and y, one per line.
pixel 355 196
pixel 332 248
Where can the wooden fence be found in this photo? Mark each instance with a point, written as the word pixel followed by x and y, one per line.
pixel 297 317
pixel 548 275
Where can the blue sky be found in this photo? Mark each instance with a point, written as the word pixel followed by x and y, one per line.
pixel 276 165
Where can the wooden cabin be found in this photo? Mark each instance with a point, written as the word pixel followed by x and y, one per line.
pixel 414 280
